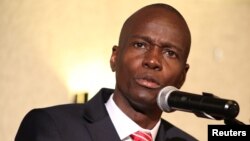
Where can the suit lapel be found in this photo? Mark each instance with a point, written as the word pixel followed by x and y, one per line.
pixel 168 132
pixel 99 123
pixel 161 133
pixel 103 130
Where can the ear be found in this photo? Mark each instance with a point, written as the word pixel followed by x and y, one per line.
pixel 113 58
pixel 183 76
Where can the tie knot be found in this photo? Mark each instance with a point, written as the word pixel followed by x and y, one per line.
pixel 141 136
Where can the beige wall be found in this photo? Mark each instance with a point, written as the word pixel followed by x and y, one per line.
pixel 50 50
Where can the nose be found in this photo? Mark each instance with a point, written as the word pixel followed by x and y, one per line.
pixel 152 59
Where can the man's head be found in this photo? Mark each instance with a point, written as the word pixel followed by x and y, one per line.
pixel 153 49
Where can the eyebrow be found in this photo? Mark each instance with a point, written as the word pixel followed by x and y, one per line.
pixel 162 44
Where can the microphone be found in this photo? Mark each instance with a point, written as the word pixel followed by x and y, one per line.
pixel 207 105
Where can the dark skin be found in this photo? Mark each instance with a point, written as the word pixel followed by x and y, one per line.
pixel 152 53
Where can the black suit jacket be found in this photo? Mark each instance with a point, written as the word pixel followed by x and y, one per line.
pixel 82 122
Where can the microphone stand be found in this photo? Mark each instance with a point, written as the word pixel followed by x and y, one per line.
pixel 233 122
pixel 227 121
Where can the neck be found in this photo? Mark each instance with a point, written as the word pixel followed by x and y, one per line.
pixel 146 118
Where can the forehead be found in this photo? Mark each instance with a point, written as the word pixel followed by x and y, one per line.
pixel 160 25
pixel 156 26
pixel 153 13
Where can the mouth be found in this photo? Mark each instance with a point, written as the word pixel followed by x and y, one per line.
pixel 148 82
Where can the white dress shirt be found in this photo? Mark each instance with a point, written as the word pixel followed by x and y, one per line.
pixel 123 124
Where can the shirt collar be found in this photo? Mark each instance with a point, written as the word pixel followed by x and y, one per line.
pixel 125 126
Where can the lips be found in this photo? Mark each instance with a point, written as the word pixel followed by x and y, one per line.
pixel 148 81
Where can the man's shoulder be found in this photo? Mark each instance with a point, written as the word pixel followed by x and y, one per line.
pixel 74 109
pixel 63 110
pixel 62 106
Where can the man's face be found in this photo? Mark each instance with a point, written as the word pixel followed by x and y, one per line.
pixel 151 56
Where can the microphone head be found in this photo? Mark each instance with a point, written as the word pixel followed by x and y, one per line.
pixel 162 98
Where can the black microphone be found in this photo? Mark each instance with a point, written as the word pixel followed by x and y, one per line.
pixel 207 105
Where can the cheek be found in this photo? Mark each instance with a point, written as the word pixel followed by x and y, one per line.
pixel 125 67
pixel 172 75
pixel 130 61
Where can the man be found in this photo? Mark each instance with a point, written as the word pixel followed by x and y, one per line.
pixel 153 49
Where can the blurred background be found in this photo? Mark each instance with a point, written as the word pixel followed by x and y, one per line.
pixel 51 50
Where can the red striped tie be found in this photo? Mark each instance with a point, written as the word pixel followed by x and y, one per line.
pixel 141 136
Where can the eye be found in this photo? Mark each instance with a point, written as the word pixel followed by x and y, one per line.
pixel 170 53
pixel 139 45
